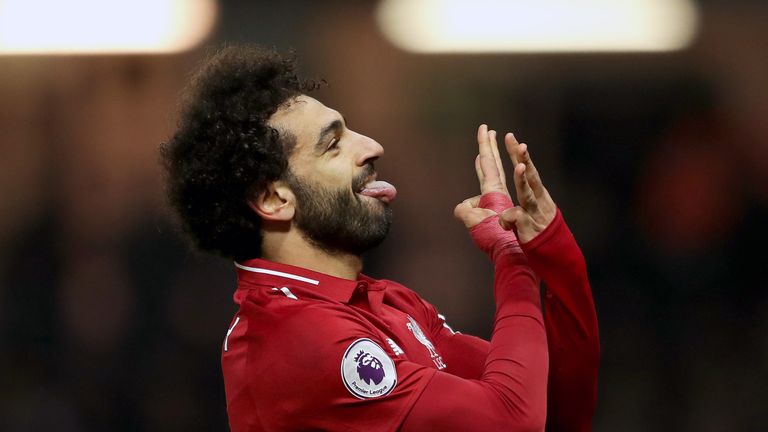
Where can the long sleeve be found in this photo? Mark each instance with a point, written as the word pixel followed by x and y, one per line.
pixel 572 332
pixel 571 324
pixel 511 391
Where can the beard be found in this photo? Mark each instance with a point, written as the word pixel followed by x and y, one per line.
pixel 337 220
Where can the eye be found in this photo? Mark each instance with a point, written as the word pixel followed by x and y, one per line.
pixel 334 144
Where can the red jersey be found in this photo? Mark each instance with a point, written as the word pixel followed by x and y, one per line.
pixel 309 351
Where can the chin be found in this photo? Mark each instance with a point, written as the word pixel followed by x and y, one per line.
pixel 377 203
pixel 371 201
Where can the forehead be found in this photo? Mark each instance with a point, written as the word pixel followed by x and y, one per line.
pixel 304 117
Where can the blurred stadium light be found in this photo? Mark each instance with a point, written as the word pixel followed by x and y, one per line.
pixel 460 26
pixel 103 27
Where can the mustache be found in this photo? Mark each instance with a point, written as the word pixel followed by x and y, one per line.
pixel 361 179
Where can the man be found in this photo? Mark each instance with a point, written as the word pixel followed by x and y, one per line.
pixel 264 174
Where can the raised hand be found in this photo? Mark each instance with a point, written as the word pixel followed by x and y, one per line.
pixel 536 209
pixel 490 174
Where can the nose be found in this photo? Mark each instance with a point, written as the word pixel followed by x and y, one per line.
pixel 370 150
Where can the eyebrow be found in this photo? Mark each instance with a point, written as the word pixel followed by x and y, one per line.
pixel 332 127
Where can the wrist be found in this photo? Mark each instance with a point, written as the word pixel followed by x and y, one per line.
pixel 496 201
pixel 492 239
pixel 547 233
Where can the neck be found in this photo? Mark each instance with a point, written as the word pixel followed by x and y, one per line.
pixel 292 248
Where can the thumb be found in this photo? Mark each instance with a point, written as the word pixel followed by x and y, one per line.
pixel 461 210
pixel 471 216
pixel 510 217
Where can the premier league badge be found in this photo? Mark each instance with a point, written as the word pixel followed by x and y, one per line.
pixel 367 371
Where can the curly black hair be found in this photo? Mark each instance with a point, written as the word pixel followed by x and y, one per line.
pixel 224 152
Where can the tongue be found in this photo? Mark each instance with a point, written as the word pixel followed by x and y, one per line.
pixel 380 190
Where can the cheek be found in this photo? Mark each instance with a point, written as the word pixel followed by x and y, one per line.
pixel 333 175
pixel 336 172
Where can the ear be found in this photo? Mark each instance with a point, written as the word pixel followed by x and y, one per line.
pixel 275 202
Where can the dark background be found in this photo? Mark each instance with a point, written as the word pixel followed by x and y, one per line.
pixel 658 161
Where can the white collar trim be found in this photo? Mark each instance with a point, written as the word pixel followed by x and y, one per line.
pixel 277 273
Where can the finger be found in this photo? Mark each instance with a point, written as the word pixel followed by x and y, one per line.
pixel 491 182
pixel 472 202
pixel 471 216
pixel 524 192
pixel 484 144
pixel 531 173
pixel 495 150
pixel 461 210
pixel 509 218
pixel 482 138
pixel 515 219
pixel 479 170
pixel 510 142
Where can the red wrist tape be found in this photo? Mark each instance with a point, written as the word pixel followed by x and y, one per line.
pixel 489 236
pixel 495 201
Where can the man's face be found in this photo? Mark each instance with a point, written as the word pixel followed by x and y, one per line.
pixel 340 207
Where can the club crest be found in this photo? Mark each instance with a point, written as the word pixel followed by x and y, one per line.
pixel 421 337
pixel 367 371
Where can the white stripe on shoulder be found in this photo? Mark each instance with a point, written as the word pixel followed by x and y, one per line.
pixel 277 273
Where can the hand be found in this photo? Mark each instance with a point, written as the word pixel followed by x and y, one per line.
pixel 481 213
pixel 537 209
pixel 490 174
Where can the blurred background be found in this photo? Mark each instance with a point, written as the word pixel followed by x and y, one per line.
pixel 657 155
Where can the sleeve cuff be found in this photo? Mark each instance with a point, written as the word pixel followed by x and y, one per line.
pixel 550 231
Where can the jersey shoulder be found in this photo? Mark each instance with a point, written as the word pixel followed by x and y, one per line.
pixel 411 302
pixel 308 362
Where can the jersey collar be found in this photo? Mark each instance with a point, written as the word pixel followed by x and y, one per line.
pixel 263 272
